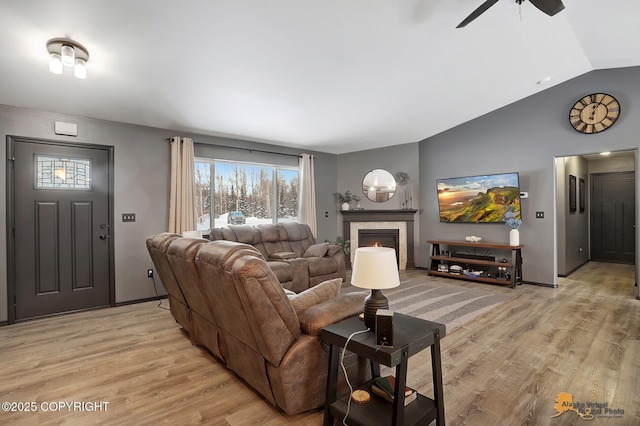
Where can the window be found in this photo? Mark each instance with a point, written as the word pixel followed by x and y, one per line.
pixel 62 173
pixel 232 192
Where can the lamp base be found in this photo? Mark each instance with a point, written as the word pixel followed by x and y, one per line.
pixel 376 300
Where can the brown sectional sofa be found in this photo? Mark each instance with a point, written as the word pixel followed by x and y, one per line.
pixel 157 247
pixel 229 300
pixel 290 251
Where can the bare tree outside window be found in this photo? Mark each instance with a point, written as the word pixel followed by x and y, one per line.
pixel 288 189
pixel 202 181
pixel 244 193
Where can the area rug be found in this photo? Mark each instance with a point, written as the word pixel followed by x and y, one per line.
pixel 435 299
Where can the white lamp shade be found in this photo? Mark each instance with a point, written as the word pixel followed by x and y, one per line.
pixel 55 63
pixel 80 68
pixel 375 268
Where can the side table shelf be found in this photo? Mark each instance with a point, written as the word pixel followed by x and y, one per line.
pixel 512 268
pixel 379 412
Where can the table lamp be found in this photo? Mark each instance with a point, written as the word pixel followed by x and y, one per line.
pixel 375 268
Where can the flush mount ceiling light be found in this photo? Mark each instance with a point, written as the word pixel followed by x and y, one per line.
pixel 65 52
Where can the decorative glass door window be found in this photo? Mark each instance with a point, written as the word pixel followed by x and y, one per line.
pixel 62 172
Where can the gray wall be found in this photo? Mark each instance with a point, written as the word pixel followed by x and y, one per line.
pixel 141 187
pixel 613 165
pixel 353 167
pixel 573 228
pixel 526 136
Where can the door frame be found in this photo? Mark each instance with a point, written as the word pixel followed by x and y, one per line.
pixel 636 156
pixel 10 225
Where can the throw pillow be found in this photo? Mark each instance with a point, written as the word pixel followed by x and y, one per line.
pixel 316 250
pixel 322 292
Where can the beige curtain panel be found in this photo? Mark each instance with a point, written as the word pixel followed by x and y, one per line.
pixel 307 196
pixel 182 196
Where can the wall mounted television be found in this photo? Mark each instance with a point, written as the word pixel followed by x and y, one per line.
pixel 479 199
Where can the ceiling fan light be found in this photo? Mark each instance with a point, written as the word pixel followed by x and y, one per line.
pixel 55 63
pixel 68 55
pixel 80 69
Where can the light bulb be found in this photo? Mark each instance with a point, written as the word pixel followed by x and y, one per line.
pixel 80 69
pixel 68 55
pixel 55 64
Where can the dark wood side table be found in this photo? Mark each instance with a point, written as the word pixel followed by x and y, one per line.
pixel 410 336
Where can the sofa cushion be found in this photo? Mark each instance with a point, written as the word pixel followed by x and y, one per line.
pixel 282 270
pixel 282 255
pixel 295 237
pixel 319 266
pixel 324 291
pixel 317 250
pixel 270 239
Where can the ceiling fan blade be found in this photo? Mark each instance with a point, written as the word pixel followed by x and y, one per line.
pixel 550 7
pixel 479 11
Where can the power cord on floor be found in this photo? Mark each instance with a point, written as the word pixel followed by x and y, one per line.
pixel 155 289
pixel 346 377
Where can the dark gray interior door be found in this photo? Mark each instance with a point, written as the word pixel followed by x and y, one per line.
pixel 613 217
pixel 61 236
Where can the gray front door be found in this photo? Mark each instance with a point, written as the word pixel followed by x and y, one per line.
pixel 61 253
pixel 613 207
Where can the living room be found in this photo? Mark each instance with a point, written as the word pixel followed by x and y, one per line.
pixel 515 144
pixel 525 135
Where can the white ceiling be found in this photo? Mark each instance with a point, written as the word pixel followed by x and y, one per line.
pixel 327 75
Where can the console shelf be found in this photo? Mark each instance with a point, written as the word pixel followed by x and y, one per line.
pixel 513 268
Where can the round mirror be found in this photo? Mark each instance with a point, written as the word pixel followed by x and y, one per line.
pixel 379 185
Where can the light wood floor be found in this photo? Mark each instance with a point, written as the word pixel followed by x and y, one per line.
pixel 504 368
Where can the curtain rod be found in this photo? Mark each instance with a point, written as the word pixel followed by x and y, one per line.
pixel 245 149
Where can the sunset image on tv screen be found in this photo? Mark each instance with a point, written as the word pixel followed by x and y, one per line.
pixel 479 199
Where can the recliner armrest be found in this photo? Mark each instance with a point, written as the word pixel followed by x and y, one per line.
pixel 333 250
pixel 316 317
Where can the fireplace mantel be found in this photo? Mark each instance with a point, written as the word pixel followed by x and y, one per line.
pixel 404 217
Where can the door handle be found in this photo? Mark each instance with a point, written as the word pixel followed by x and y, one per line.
pixel 103 237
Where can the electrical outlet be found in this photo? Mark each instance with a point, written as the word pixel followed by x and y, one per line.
pixel 149 273
pixel 128 217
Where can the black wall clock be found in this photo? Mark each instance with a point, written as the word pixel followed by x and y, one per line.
pixel 594 113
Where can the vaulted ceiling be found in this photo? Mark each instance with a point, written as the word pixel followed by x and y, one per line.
pixel 333 75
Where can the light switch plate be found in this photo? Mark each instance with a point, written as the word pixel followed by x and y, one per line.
pixel 128 217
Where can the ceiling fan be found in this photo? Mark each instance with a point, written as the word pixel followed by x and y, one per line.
pixel 550 7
